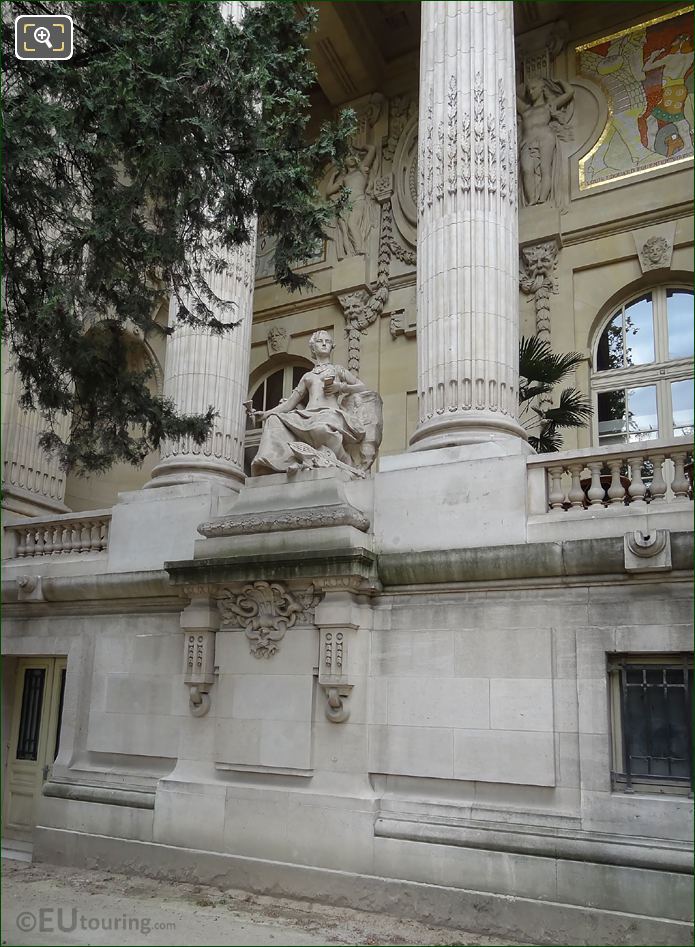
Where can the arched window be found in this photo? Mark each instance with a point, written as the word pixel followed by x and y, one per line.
pixel 266 393
pixel 642 382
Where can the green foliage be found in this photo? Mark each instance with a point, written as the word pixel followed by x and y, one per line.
pixel 540 370
pixel 129 170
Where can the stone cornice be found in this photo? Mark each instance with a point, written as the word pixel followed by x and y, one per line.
pixel 355 568
pixel 525 561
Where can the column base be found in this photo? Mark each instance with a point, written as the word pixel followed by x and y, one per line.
pixel 457 431
pixel 169 473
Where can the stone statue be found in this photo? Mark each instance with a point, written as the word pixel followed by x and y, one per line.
pixel 545 110
pixel 331 419
pixel 354 225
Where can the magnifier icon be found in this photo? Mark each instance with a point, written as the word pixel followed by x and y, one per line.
pixel 43 35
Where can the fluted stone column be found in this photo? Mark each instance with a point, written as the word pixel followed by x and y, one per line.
pixel 467 269
pixel 32 482
pixel 204 369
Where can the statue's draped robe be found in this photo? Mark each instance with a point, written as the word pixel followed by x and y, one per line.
pixel 326 426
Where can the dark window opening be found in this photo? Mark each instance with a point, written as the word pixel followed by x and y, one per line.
pixel 30 715
pixel 652 708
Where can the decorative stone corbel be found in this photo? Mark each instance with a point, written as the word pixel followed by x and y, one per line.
pixel 333 670
pixel 338 622
pixel 199 621
pixel 29 588
pixel 537 279
pixel 648 552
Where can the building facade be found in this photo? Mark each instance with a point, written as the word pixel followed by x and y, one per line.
pixel 456 686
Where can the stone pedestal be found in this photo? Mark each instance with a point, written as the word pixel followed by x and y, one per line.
pixel 467 272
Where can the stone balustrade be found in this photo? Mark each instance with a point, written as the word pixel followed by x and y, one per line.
pixel 62 535
pixel 602 479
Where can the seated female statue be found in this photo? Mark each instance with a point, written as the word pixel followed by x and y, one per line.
pixel 330 419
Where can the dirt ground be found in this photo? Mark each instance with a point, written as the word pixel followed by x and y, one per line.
pixel 44 904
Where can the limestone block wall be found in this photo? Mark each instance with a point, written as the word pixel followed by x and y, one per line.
pixel 137 693
pixel 496 702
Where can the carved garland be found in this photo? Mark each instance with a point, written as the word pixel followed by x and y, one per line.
pixel 537 280
pixel 362 308
pixel 487 162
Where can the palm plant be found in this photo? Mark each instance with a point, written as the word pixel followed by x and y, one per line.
pixel 540 370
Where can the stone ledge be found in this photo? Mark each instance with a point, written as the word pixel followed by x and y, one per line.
pixel 586 846
pixel 568 558
pixel 525 919
pixel 130 798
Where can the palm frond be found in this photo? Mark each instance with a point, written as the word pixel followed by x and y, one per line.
pixel 547 442
pixel 573 410
pixel 541 368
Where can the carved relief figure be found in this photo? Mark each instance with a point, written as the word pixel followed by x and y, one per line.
pixel 277 340
pixel 354 225
pixel 331 419
pixel 647 77
pixel 655 253
pixel 545 110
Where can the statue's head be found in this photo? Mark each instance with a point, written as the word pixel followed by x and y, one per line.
pixel 536 89
pixel 321 343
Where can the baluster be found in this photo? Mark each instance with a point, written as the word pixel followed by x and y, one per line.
pixel 637 488
pixel 596 492
pixel 40 541
pixel 681 484
pixel 64 540
pixel 84 534
pixel 94 536
pixel 556 495
pixel 49 544
pixel 21 551
pixel 616 491
pixel 31 542
pixel 103 535
pixel 74 532
pixel 576 494
pixel 658 487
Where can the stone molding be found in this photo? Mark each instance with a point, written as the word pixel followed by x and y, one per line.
pixel 350 569
pixel 241 524
pixel 104 795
